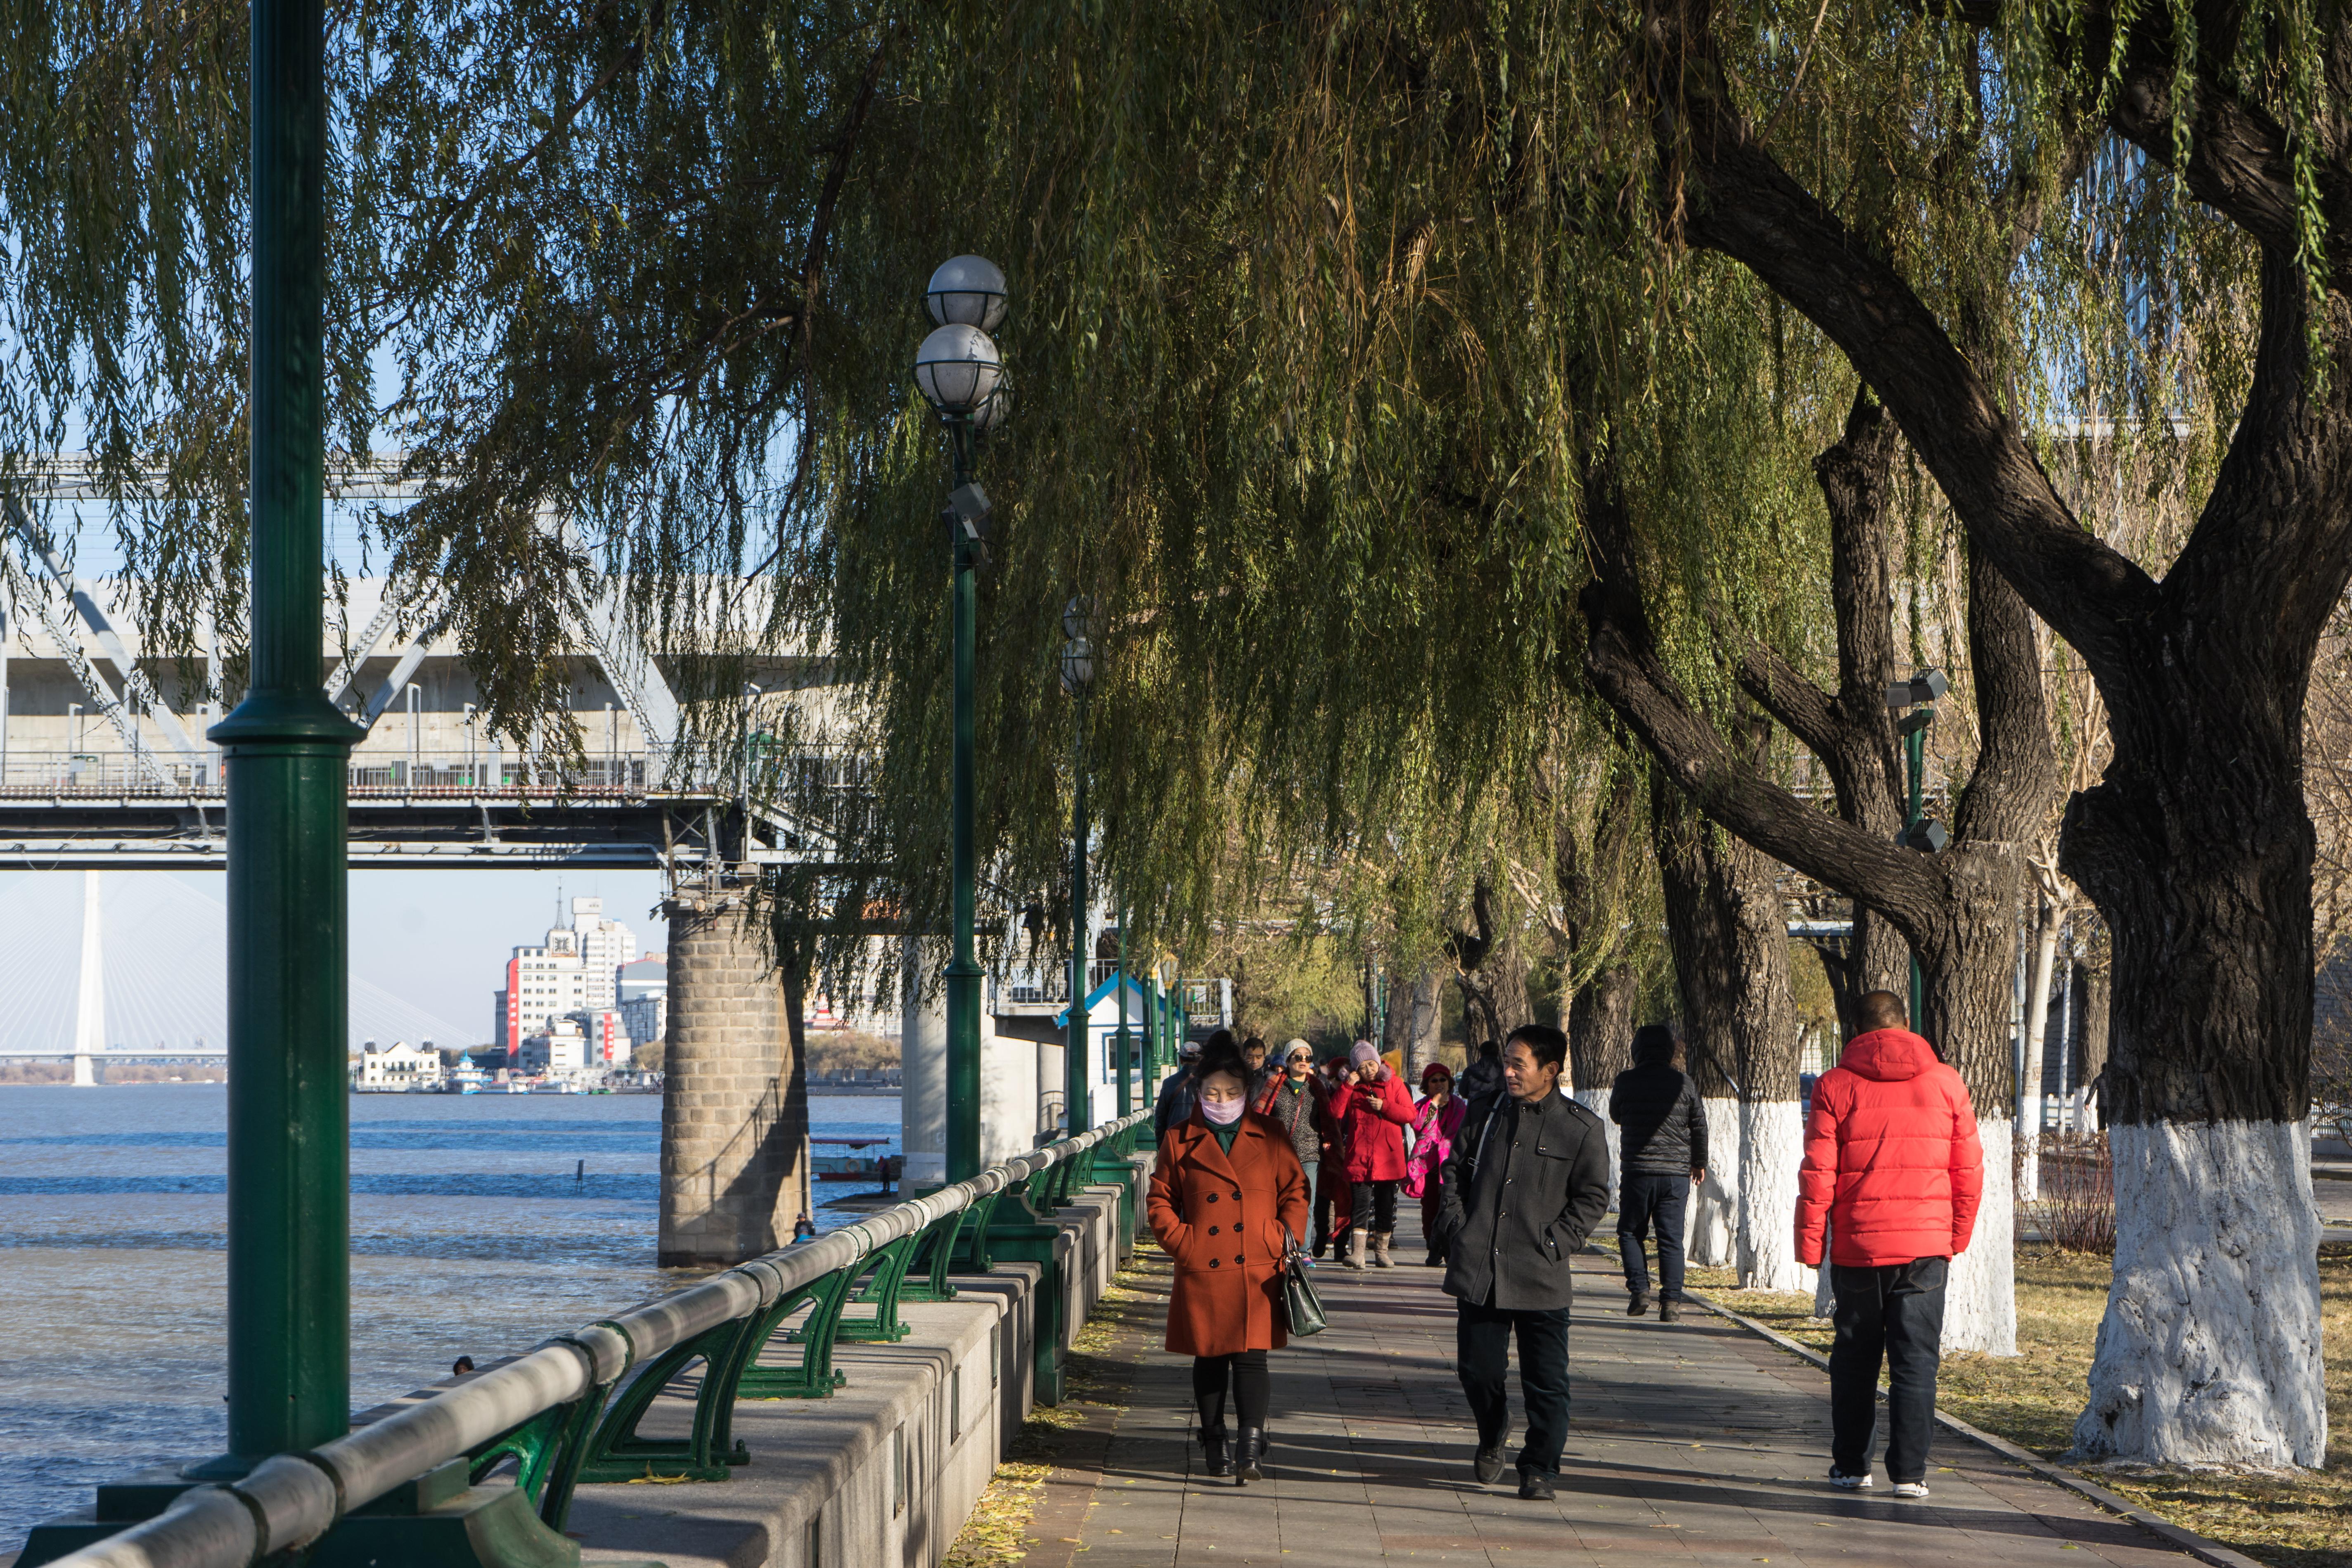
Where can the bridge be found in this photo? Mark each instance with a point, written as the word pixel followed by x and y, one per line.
pixel 103 762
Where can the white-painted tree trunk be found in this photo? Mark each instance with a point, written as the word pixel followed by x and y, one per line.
pixel 1771 1146
pixel 1711 1239
pixel 2210 1353
pixel 1980 1300
pixel 2037 1028
pixel 1596 1101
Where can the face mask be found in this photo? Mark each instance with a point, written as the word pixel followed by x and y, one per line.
pixel 1223 1112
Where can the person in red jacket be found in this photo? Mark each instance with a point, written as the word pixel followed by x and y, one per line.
pixel 1377 1110
pixel 1894 1167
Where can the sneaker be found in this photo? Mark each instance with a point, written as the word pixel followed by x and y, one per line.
pixel 1536 1486
pixel 1851 1483
pixel 1911 1489
pixel 1669 1312
pixel 1638 1307
pixel 1488 1465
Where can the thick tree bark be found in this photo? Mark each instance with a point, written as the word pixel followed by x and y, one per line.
pixel 1597 1011
pixel 2195 847
pixel 1729 928
pixel 1491 967
pixel 2098 994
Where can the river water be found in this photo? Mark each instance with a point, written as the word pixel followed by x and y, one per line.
pixel 471 1235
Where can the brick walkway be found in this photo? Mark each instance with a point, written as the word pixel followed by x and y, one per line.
pixel 1691 1443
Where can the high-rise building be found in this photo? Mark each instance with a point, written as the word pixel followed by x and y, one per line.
pixel 604 946
pixel 574 969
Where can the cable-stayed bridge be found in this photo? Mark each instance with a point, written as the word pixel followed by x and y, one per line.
pixel 103 762
pixel 135 970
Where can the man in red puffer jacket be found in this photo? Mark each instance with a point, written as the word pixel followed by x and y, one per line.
pixel 1893 1164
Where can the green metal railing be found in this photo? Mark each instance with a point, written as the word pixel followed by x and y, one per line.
pixel 569 1411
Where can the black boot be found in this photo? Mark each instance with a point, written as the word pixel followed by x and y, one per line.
pixel 1248 1452
pixel 1212 1439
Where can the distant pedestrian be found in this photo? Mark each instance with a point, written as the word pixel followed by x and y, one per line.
pixel 1177 1096
pixel 1379 1111
pixel 1484 1076
pixel 1293 1101
pixel 1434 1124
pixel 1527 1180
pixel 1253 1059
pixel 803 1228
pixel 1661 1157
pixel 1228 1203
pixel 1894 1165
pixel 1333 1194
pixel 461 1366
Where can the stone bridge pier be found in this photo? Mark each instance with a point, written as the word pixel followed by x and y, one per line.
pixel 734 1148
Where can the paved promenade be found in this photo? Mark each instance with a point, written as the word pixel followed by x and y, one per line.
pixel 1692 1443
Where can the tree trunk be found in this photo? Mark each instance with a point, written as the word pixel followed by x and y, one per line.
pixel 2198 853
pixel 1599 1046
pixel 2048 923
pixel 2096 995
pixel 1729 928
pixel 1412 1025
pixel 1491 967
pixel 1601 1030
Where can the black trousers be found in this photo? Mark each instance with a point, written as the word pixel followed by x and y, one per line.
pixel 1375 1206
pixel 1482 1344
pixel 1643 1199
pixel 1252 1381
pixel 1895 1313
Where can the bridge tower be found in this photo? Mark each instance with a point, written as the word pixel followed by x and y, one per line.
pixel 734 1154
pixel 89 1004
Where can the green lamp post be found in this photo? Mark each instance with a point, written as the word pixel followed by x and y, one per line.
pixel 1915 700
pixel 960 373
pixel 287 751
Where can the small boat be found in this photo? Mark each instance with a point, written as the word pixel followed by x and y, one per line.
pixel 556 1086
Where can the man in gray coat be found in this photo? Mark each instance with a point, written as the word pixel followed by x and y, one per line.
pixel 1527 1182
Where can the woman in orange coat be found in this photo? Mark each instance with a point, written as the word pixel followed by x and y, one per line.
pixel 1228 1203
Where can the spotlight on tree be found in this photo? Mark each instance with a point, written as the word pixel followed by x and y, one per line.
pixel 1927 836
pixel 1927 686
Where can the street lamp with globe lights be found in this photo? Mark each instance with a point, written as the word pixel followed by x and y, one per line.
pixel 1078 679
pixel 961 375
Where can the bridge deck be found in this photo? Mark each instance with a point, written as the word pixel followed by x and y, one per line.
pixel 1693 1442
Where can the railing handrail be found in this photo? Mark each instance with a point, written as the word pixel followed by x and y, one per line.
pixel 291 1499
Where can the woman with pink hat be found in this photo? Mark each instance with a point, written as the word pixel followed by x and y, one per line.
pixel 1377 1112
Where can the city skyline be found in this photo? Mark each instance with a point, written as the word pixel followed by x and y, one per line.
pixel 437 940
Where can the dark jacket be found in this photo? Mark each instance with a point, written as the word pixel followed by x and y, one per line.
pixel 1524 1187
pixel 1177 1096
pixel 1482 1078
pixel 1665 1126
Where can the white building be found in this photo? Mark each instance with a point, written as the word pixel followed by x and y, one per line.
pixel 604 946
pixel 575 968
pixel 400 1066
pixel 644 999
pixel 561 1049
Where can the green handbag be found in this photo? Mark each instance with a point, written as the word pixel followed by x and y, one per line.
pixel 1300 1304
